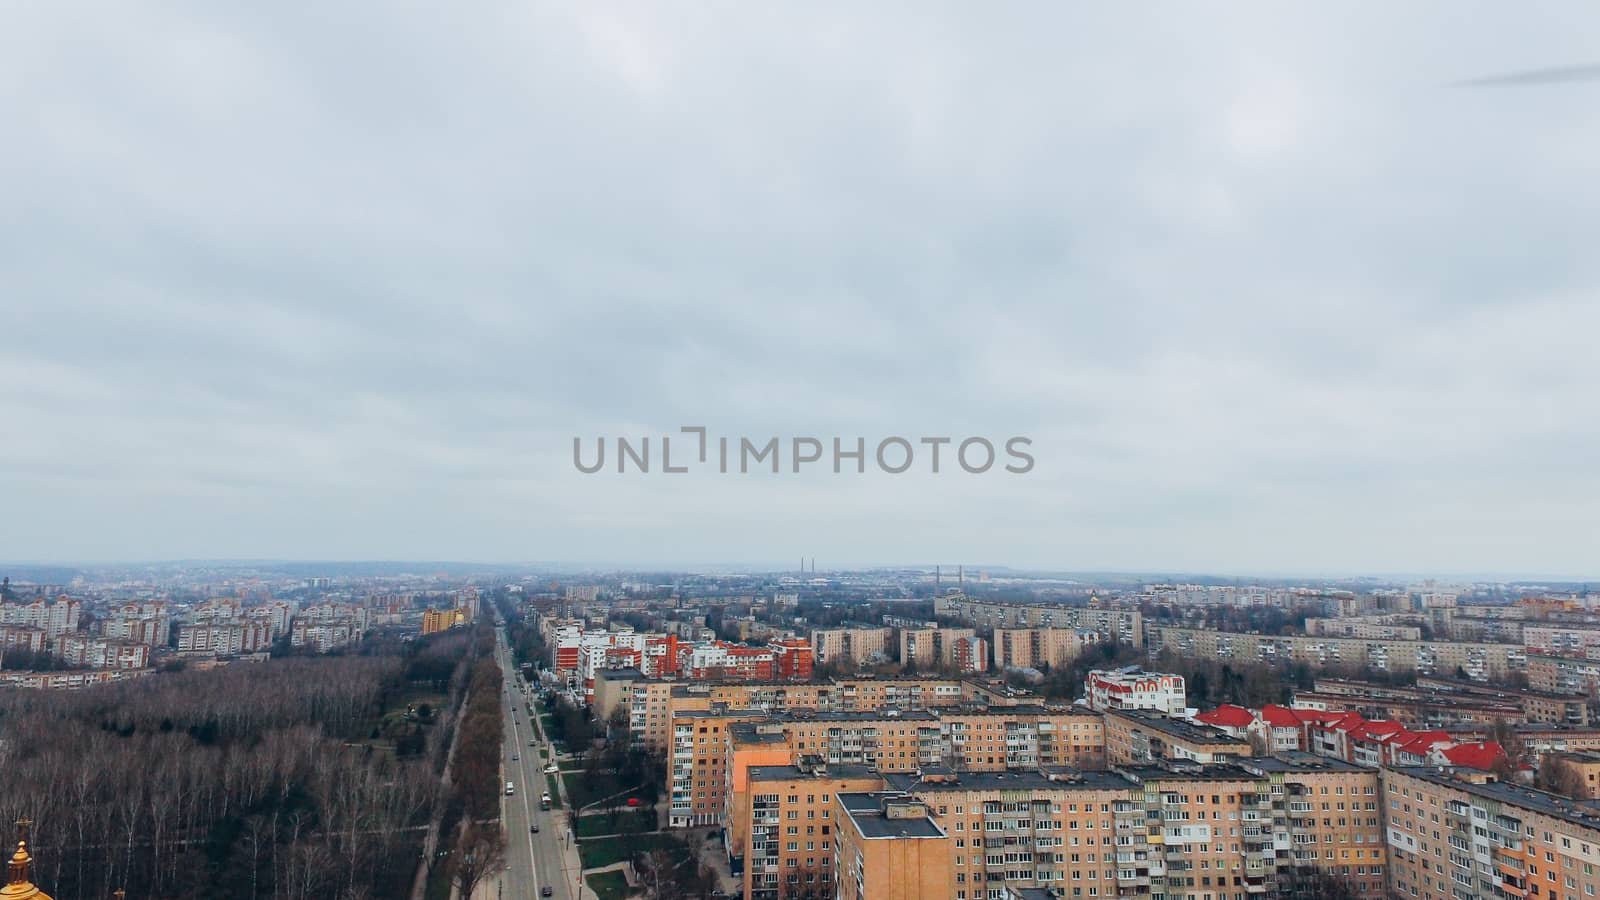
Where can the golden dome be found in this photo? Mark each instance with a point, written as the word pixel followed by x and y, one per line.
pixel 18 887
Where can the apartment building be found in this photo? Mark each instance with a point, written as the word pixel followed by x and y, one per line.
pixel 1332 815
pixel 792 659
pixel 782 826
pixel 92 652
pixel 977 739
pixel 146 623
pixel 1198 832
pixel 1441 702
pixel 1549 639
pixel 1027 830
pixel 1379 628
pixel 697 764
pixel 1564 676
pixel 1132 689
pixel 888 848
pixel 1135 737
pixel 613 691
pixel 1477 661
pixel 22 637
pixel 851 645
pixel 1123 625
pixel 1039 648
pixel 650 711
pixel 67 681
pixel 53 617
pixel 437 620
pixel 1585 772
pixel 1459 835
pixel 208 639
pixel 929 648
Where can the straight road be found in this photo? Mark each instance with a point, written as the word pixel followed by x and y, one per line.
pixel 533 861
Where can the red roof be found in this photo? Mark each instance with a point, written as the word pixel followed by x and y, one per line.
pixel 1479 755
pixel 1280 716
pixel 1227 716
pixel 1420 744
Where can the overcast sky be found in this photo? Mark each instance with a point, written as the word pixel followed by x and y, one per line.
pixel 1266 289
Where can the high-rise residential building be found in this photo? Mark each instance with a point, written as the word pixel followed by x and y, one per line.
pixel 887 847
pixel 850 645
pixel 1260 828
pixel 1457 834
pixel 931 648
pixel 1479 661
pixel 971 655
pixel 53 617
pixel 1039 648
pixel 793 659
pixel 782 823
pixel 1124 626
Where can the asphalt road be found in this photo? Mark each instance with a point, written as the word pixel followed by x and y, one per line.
pixel 532 860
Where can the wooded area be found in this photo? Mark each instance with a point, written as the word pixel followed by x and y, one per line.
pixel 290 779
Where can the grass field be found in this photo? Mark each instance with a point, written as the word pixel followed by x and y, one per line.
pixel 609 886
pixel 633 821
pixel 555 793
pixel 605 851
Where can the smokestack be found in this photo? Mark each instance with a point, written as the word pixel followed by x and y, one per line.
pixel 961 576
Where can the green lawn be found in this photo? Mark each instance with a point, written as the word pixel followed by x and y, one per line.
pixel 604 786
pixel 555 793
pixel 629 821
pixel 605 851
pixel 609 886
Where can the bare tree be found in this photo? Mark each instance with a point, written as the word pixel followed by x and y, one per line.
pixel 482 852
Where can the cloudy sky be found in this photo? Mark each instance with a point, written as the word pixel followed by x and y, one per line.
pixel 1268 291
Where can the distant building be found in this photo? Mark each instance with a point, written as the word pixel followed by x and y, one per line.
pixel 1105 691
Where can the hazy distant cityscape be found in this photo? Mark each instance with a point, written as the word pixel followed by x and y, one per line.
pixel 445 729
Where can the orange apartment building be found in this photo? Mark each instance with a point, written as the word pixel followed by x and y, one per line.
pixel 888 848
pixel 783 842
pixel 696 764
pixel 1021 737
pixel 1459 834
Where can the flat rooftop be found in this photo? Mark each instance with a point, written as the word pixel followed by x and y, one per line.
pixel 1213 772
pixel 795 773
pixel 866 812
pixel 1009 781
pixel 1579 812
pixel 1300 761
pixel 1186 731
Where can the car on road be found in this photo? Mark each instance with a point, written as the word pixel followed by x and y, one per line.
pixel 535 828
pixel 515 757
pixel 545 891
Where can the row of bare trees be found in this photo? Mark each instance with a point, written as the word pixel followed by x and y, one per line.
pixel 252 781
pixel 474 797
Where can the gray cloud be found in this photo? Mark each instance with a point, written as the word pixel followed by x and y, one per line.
pixel 345 284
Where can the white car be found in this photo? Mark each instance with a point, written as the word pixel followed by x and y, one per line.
pixel 551 769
